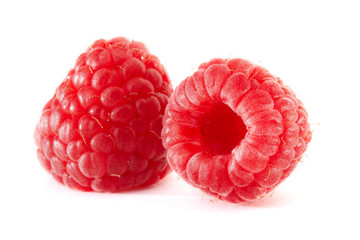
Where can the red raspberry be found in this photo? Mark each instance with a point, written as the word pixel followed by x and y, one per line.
pixel 101 130
pixel 234 130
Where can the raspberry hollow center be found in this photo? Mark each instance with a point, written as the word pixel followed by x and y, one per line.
pixel 221 130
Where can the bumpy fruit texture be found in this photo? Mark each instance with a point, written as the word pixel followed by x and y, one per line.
pixel 101 130
pixel 234 130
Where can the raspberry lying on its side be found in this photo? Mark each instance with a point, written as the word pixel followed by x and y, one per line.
pixel 101 130
pixel 234 130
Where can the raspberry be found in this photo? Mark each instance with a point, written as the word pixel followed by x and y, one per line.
pixel 101 130
pixel 234 130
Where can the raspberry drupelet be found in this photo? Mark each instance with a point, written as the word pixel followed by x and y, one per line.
pixel 102 129
pixel 234 130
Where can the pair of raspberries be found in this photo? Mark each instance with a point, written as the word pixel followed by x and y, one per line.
pixel 232 129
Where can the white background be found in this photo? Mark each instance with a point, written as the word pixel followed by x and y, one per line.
pixel 312 45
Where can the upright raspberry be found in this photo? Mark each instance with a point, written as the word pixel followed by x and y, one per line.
pixel 234 130
pixel 101 130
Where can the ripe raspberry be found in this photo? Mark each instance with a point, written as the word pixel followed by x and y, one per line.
pixel 101 130
pixel 234 130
